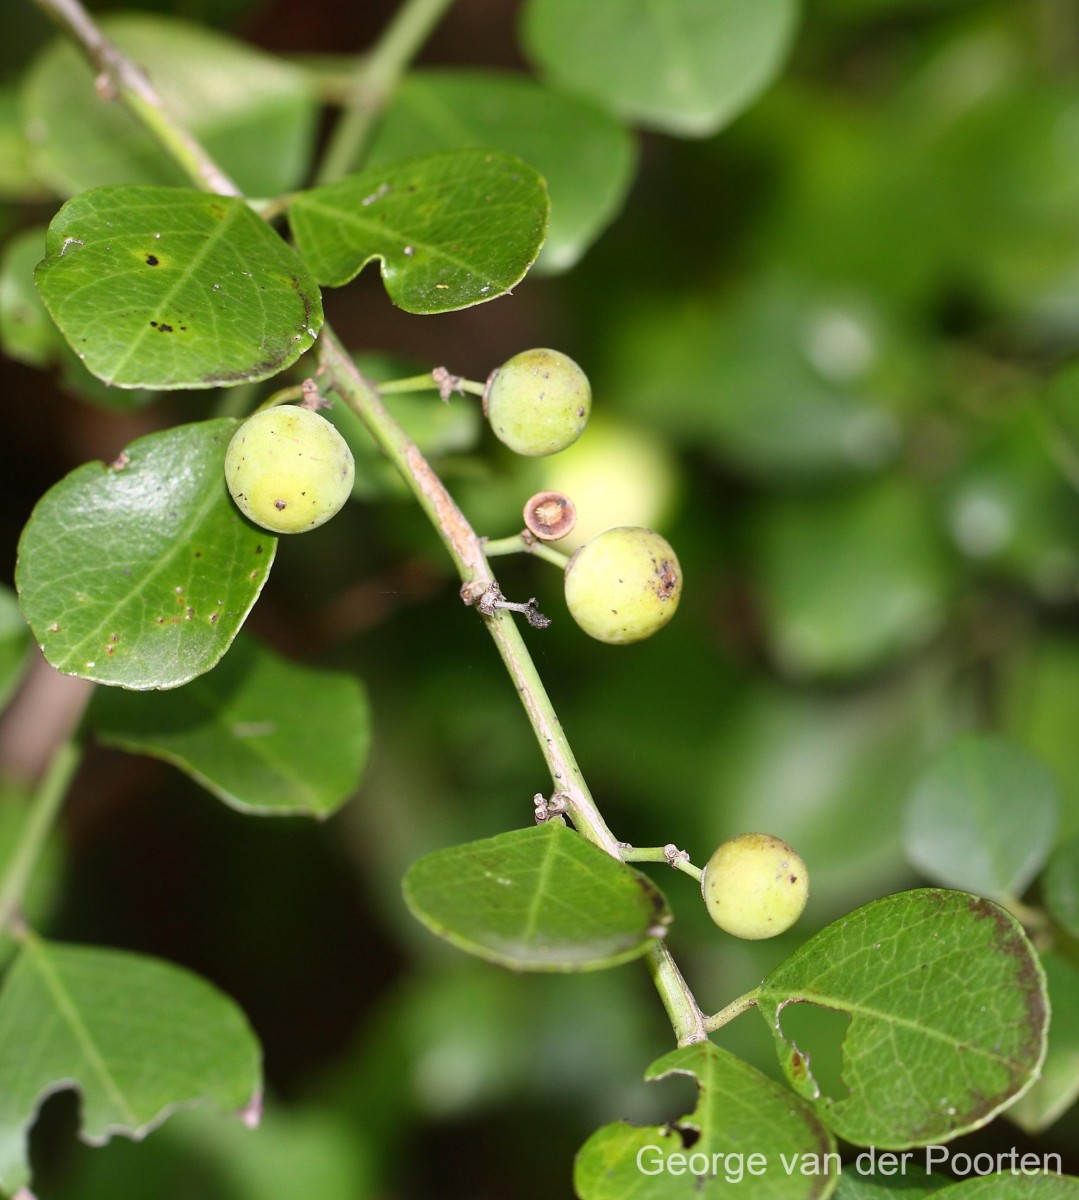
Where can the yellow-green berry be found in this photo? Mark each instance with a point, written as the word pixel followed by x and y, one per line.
pixel 538 402
pixel 755 886
pixel 288 469
pixel 623 585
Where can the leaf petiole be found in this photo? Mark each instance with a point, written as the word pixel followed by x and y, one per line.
pixel 43 810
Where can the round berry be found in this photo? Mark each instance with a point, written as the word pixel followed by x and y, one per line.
pixel 538 402
pixel 288 469
pixel 755 886
pixel 623 585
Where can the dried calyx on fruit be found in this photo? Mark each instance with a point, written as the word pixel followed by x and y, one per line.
pixel 549 516
pixel 538 402
pixel 288 469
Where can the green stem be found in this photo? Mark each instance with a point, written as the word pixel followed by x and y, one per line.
pixel 119 78
pixel 373 84
pixel 669 854
pixel 518 544
pixel 686 1018
pixel 44 808
pixel 428 383
pixel 734 1009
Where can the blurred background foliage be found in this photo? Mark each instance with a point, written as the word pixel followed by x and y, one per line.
pixel 829 351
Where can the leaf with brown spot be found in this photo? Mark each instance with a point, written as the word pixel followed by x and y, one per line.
pixel 948 1016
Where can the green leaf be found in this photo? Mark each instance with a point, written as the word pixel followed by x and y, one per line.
pixel 1061 403
pixel 1011 1187
pixel 17 179
pixel 881 1175
pixel 538 899
pixel 982 817
pixel 140 573
pixel 947 1010
pixel 14 644
pixel 1058 1087
pixel 586 157
pixel 265 735
pixel 451 230
pixel 1038 708
pixel 29 334
pixel 1060 887
pixel 1011 512
pixel 254 113
pixel 746 1132
pixel 852 579
pixel 171 288
pixel 688 67
pixel 137 1036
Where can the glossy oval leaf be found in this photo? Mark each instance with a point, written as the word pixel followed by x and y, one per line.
pixel 136 1036
pixel 29 334
pixel 171 288
pixel 1057 1089
pixel 982 817
pixel 1060 887
pixel 584 154
pixel 684 66
pixel 265 735
pixel 450 230
pixel 739 1113
pixel 255 114
pixel 947 1017
pixel 140 573
pixel 539 899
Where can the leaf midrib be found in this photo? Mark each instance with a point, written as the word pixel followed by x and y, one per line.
pixel 68 1011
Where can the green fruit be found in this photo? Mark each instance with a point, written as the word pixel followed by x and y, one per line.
pixel 623 585
pixel 538 402
pixel 288 469
pixel 755 886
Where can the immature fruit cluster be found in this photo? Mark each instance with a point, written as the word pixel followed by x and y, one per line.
pixel 538 402
pixel 755 886
pixel 623 585
pixel 288 469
